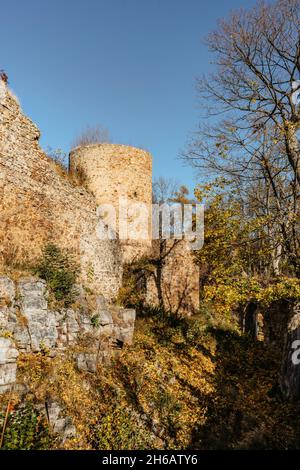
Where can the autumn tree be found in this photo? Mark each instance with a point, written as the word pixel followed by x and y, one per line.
pixel 255 143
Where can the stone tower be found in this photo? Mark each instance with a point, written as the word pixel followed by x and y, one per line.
pixel 118 172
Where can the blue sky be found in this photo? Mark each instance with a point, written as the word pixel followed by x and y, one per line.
pixel 129 65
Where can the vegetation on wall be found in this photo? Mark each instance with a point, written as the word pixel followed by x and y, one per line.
pixel 59 270
pixel 25 429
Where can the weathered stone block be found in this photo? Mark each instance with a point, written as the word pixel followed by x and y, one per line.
pixel 127 315
pixel 34 327
pixel 105 330
pixel 105 318
pixel 101 303
pixel 60 424
pixel 41 323
pixel 8 373
pixel 8 351
pixel 8 364
pixel 7 290
pixel 87 362
pixel 123 334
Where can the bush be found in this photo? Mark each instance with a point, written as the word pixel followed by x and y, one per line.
pixel 120 429
pixel 26 430
pixel 133 290
pixel 60 271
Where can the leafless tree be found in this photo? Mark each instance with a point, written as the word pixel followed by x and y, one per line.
pixel 164 189
pixel 255 140
pixel 92 135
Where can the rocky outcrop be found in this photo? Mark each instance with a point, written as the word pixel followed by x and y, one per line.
pixel 58 422
pixel 290 374
pixel 28 325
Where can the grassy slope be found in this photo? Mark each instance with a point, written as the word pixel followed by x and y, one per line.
pixel 181 385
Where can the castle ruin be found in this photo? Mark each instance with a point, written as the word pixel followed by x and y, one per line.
pixel 38 204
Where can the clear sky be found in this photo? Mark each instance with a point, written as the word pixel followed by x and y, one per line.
pixel 129 65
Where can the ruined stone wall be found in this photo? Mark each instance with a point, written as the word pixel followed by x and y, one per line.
pixel 113 171
pixel 179 279
pixel 38 205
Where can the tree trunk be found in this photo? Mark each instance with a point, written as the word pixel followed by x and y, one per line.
pixel 276 259
pixel 159 274
pixel 159 287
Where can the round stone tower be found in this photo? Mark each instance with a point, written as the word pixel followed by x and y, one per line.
pixel 120 175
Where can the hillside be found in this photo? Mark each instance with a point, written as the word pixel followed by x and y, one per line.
pixel 184 384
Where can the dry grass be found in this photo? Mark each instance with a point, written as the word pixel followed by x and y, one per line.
pixel 14 262
pixel 75 179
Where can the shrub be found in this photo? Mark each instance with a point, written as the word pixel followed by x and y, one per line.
pixel 60 271
pixel 59 157
pixel 26 429
pixel 120 429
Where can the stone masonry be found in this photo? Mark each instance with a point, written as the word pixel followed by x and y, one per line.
pixel 179 282
pixel 39 205
pixel 111 172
